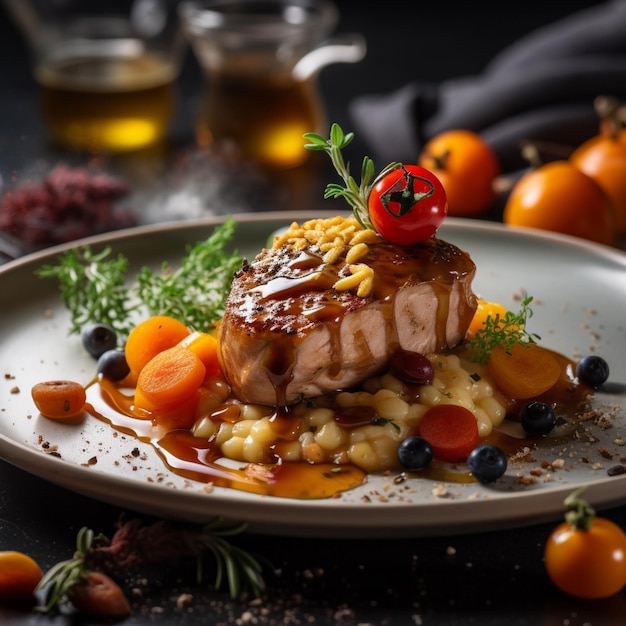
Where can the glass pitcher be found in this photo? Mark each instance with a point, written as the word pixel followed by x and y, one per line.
pixel 261 59
pixel 106 69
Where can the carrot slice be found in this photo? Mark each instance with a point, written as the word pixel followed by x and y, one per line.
pixel 205 346
pixel 171 377
pixel 150 337
pixel 451 430
pixel 59 399
pixel 523 371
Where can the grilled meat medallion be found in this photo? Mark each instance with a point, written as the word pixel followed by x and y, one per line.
pixel 289 333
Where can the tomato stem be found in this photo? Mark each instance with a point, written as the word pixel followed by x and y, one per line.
pixel 404 195
pixel 580 514
pixel 355 194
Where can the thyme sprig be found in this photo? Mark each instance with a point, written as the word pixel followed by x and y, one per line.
pixel 96 286
pixel 134 544
pixel 196 292
pixel 503 331
pixel 92 286
pixel 355 194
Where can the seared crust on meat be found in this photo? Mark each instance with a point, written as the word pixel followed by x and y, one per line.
pixel 288 332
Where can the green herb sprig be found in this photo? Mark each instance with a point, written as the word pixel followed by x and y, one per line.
pixel 355 194
pixel 134 544
pixel 196 292
pixel 503 331
pixel 92 287
pixel 95 287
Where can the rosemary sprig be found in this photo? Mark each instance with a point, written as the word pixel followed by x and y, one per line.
pixel 503 331
pixel 95 287
pixel 60 578
pixel 134 544
pixel 355 194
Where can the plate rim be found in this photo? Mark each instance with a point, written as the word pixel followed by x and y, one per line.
pixel 68 475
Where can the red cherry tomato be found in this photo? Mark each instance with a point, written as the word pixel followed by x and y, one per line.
pixel 407 205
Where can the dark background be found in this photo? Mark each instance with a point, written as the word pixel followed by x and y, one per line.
pixel 494 578
pixel 406 41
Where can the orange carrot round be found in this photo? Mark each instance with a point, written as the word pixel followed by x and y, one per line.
pixel 59 399
pixel 451 430
pixel 523 371
pixel 170 377
pixel 205 346
pixel 150 337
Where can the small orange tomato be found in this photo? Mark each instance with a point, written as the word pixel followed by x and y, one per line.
pixel 585 556
pixel 560 198
pixel 19 576
pixel 485 309
pixel 466 166
pixel 603 158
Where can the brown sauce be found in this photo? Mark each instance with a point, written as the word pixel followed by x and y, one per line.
pixel 200 459
pixel 296 291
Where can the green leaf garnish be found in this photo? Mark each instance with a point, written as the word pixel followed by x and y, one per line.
pixel 503 331
pixel 383 421
pixel 355 194
pixel 196 292
pixel 94 286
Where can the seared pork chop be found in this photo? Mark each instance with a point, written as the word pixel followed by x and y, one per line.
pixel 292 329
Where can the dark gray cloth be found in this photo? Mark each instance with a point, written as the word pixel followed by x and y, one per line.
pixel 540 88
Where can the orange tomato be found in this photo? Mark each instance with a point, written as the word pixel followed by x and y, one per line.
pixel 559 197
pixel 485 309
pixel 19 577
pixel 603 158
pixel 585 556
pixel 466 166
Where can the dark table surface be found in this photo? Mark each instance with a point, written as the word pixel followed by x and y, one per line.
pixel 487 578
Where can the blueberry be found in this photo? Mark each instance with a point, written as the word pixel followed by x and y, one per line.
pixel 98 338
pixel 487 463
pixel 592 370
pixel 112 365
pixel 538 418
pixel 415 453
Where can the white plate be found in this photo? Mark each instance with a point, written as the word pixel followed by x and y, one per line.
pixel 580 304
